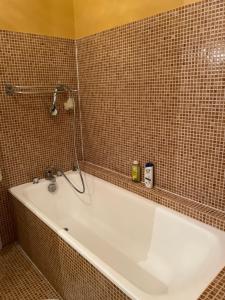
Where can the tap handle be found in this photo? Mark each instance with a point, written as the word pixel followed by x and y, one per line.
pixel 36 180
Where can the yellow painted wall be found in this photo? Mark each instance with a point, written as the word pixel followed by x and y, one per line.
pixel 46 17
pixel 97 15
pixel 56 17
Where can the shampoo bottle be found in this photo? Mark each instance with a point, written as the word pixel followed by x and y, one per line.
pixel 136 171
pixel 148 175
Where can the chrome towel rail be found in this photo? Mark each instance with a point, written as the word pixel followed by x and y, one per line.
pixel 36 89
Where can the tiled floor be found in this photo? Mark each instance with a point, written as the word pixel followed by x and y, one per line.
pixel 20 280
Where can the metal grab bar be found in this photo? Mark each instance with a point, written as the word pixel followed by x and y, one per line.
pixel 28 90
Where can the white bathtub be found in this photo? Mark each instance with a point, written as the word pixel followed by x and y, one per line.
pixel 147 250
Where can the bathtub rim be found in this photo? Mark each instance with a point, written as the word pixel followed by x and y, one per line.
pixel 121 282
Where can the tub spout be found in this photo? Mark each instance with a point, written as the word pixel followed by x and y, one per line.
pixel 49 174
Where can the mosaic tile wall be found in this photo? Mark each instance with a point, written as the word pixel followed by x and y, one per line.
pixel 185 206
pixel 216 289
pixel 31 140
pixel 153 90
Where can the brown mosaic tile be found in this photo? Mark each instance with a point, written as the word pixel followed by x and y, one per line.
pixel 7 232
pixel 154 90
pixel 216 289
pixel 19 279
pixel 34 140
pixel 185 206
pixel 31 140
pixel 156 84
pixel 150 90
pixel 68 272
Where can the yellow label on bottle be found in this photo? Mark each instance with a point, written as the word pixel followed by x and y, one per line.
pixel 135 173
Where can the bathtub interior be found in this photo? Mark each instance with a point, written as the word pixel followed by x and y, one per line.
pixel 172 254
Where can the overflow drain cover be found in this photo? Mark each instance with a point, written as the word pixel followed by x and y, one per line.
pixel 66 229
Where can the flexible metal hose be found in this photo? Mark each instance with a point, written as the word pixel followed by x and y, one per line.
pixel 75 154
pixel 74 133
pixel 72 185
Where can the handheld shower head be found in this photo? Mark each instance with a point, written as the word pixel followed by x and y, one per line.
pixel 68 105
pixel 53 109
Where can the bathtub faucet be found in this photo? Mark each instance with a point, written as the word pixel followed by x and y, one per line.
pixel 52 173
pixel 49 174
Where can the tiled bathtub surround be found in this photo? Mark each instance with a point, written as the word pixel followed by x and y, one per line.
pixel 68 272
pixel 31 140
pixel 216 290
pixel 154 90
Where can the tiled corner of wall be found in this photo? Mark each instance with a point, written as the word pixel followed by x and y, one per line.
pixel 153 90
pixel 31 140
